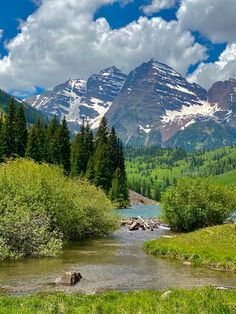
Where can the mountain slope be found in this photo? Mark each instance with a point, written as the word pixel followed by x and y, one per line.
pixel 153 105
pixel 30 113
pixel 151 93
pixel 220 129
pixel 78 99
pixel 203 135
pixel 156 169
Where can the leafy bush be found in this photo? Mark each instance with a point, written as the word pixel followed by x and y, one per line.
pixel 24 233
pixel 38 200
pixel 195 203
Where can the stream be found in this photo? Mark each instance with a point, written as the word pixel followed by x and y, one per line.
pixel 116 262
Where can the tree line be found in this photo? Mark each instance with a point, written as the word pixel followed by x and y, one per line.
pixel 151 171
pixel 98 158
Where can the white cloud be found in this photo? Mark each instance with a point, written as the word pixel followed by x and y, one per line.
pixel 158 5
pixel 225 68
pixel 61 40
pixel 214 19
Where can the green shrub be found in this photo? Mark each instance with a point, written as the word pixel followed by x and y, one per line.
pixel 195 203
pixel 29 193
pixel 25 233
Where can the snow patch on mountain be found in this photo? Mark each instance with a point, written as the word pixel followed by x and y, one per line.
pixel 146 129
pixel 101 108
pixel 191 112
pixel 181 89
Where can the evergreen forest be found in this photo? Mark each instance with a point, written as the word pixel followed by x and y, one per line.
pixel 152 170
pixel 98 158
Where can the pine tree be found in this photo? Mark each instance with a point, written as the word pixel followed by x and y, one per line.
pixel 103 132
pixel 89 143
pixel 36 142
pixel 119 192
pixel 102 175
pixel 52 147
pixel 90 172
pixel 9 140
pixel 114 151
pixel 63 135
pixel 156 194
pixel 21 132
pixel 78 153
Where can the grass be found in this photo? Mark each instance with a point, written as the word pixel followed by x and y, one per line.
pixel 214 247
pixel 225 179
pixel 207 301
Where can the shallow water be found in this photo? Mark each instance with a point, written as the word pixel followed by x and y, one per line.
pixel 150 211
pixel 113 263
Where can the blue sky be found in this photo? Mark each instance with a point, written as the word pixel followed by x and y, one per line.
pixel 117 15
pixel 202 45
pixel 10 13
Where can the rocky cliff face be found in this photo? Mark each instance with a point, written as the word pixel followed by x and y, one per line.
pixel 77 99
pixel 224 95
pixel 153 105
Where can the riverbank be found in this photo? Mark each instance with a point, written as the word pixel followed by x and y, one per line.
pixel 213 247
pixel 207 300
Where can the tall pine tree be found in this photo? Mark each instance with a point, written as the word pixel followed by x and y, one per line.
pixel 102 164
pixel 78 154
pixel 119 191
pixel 36 142
pixel 21 133
pixel 63 135
pixel 52 147
pixel 9 131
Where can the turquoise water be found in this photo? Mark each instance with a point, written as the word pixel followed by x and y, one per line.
pixel 145 211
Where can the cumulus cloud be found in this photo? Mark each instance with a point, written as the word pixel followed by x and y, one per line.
pixel 158 5
pixel 61 40
pixel 225 68
pixel 214 19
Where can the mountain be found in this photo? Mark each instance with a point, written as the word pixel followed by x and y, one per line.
pixel 78 99
pixel 30 113
pixel 203 135
pixel 220 127
pixel 152 105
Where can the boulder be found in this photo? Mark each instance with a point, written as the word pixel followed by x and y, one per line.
pixel 69 278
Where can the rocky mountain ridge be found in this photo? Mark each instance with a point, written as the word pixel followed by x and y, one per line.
pixel 153 105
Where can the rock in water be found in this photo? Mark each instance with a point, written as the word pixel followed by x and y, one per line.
pixel 69 278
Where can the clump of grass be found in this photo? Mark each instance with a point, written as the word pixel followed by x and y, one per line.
pixel 213 246
pixel 207 300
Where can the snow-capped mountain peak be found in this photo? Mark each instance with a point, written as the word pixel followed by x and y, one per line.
pixel 77 99
pixel 150 106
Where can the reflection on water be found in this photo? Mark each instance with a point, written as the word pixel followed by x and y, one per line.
pixel 116 262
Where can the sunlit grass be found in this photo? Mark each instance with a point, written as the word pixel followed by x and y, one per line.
pixel 207 300
pixel 214 247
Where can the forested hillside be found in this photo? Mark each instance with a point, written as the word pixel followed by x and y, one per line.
pixel 151 170
pixel 31 113
pixel 98 158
